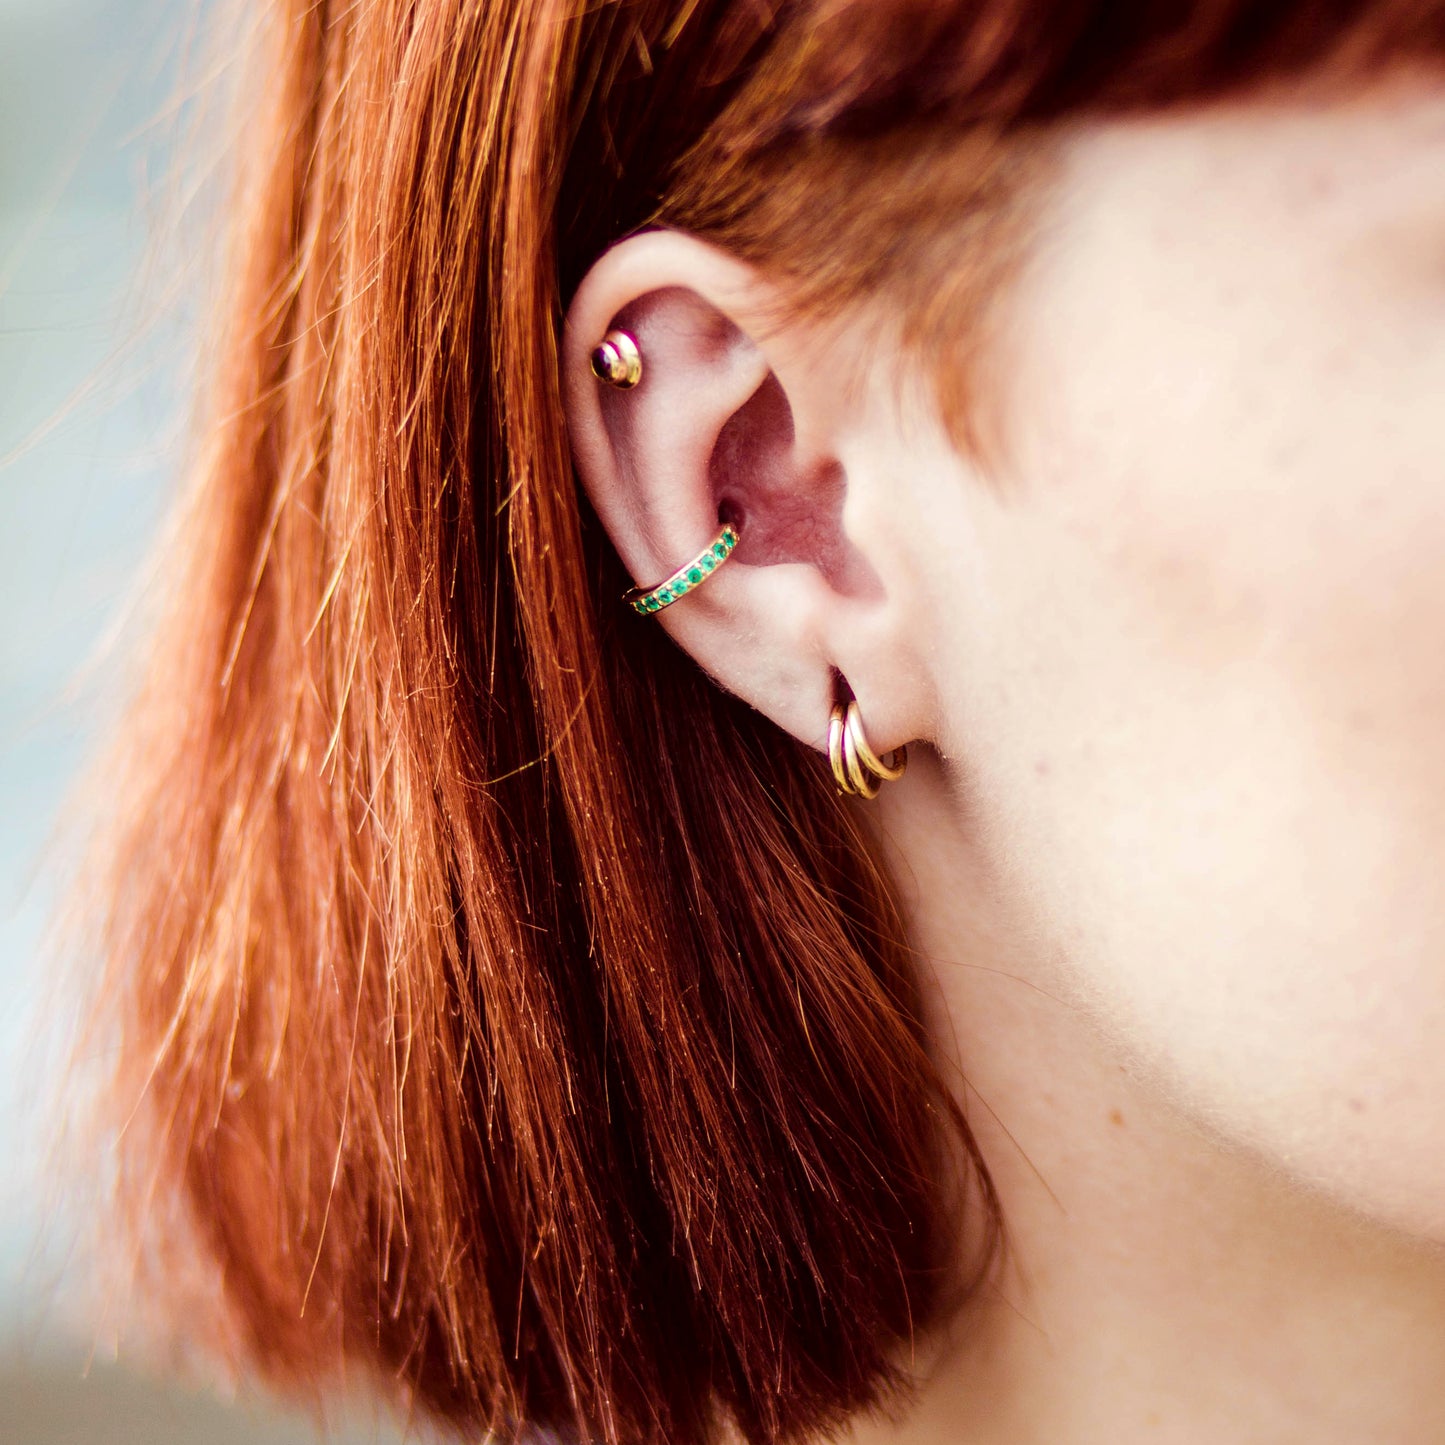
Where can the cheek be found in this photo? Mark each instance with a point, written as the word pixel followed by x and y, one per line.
pixel 1236 852
pixel 1214 742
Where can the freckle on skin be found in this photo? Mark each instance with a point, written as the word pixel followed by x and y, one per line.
pixel 1042 768
pixel 1116 1118
pixel 1358 1105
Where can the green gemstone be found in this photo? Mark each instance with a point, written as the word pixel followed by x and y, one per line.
pixel 719 551
pixel 707 563
pixel 651 604
pixel 694 574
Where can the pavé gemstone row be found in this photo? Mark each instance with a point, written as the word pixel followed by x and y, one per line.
pixel 686 578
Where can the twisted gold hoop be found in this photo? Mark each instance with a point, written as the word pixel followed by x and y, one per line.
pixel 857 769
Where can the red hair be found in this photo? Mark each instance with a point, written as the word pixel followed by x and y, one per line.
pixel 503 1008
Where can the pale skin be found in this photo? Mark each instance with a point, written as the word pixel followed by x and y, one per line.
pixel 1172 838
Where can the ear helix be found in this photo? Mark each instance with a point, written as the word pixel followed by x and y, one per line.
pixel 857 769
pixel 617 360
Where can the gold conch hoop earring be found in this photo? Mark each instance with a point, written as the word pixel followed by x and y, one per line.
pixel 857 769
pixel 617 361
pixel 691 575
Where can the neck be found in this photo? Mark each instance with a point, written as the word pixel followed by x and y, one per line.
pixel 1157 1282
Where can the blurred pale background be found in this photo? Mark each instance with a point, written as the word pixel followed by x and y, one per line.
pixel 89 422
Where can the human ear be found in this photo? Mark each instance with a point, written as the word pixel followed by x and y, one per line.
pixel 746 414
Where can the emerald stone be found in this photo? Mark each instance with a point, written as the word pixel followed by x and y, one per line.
pixel 707 563
pixel 694 574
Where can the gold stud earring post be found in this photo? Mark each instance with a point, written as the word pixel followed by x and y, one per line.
pixel 617 360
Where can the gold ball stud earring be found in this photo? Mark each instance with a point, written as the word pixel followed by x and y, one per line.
pixel 617 361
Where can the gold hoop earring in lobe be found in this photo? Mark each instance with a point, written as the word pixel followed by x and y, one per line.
pixel 617 361
pixel 857 769
pixel 688 577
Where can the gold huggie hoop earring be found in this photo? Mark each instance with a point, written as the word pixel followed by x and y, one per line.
pixel 617 361
pixel 857 769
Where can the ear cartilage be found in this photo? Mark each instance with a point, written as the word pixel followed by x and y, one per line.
pixel 617 361
pixel 647 600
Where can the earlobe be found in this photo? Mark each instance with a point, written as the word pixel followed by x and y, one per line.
pixel 706 446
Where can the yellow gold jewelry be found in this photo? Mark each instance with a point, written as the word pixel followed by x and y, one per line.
pixel 617 361
pixel 648 600
pixel 857 769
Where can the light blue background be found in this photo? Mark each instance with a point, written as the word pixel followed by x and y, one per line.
pixel 90 347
